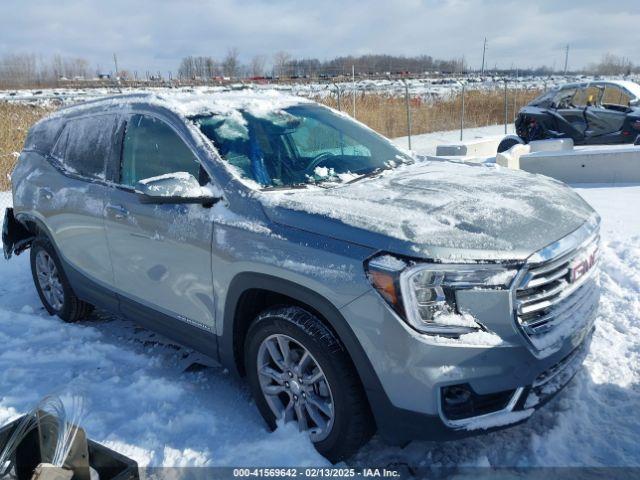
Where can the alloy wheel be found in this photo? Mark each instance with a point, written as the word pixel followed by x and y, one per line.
pixel 294 385
pixel 49 280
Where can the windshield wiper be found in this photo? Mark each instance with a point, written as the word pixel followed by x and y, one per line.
pixel 372 173
pixel 285 187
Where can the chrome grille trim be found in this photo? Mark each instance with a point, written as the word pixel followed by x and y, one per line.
pixel 544 296
pixel 556 314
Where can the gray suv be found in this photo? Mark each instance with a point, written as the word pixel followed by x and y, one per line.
pixel 359 288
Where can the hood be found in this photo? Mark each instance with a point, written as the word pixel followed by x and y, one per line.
pixel 439 210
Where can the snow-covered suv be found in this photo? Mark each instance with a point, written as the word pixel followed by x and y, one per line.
pixel 356 286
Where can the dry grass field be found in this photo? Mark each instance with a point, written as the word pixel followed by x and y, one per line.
pixel 15 120
pixel 383 113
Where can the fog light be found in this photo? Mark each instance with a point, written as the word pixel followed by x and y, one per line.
pixel 461 401
pixel 456 395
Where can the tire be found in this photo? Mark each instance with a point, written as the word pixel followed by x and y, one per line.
pixel 507 143
pixel 64 302
pixel 351 424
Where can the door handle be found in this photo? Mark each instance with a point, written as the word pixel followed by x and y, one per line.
pixel 119 212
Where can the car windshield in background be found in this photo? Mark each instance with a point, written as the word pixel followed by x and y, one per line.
pixel 300 145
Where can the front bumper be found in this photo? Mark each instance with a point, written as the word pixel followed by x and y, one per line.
pixel 414 370
pixel 399 426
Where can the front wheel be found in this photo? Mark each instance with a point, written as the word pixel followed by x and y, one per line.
pixel 299 372
pixel 509 142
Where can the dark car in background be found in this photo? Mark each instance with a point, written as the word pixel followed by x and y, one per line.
pixel 590 113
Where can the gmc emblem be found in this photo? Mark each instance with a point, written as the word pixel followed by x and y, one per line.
pixel 581 266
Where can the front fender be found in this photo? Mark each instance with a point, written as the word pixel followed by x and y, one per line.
pixel 246 281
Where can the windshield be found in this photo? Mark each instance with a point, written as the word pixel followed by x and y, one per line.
pixel 300 145
pixel 545 100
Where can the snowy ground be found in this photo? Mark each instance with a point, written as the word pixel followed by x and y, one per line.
pixel 146 400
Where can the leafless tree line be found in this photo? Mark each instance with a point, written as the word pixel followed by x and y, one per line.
pixel 284 65
pixel 203 67
pixel 24 70
pixel 611 64
pixel 30 69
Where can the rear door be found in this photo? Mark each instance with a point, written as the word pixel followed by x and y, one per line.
pixel 161 254
pixel 73 201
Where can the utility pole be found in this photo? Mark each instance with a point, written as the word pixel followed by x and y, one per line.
pixel 484 51
pixel 115 61
pixel 566 58
pixel 353 86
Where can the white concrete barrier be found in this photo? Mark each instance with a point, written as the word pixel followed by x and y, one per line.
pixel 613 164
pixel 552 145
pixel 511 158
pixel 477 147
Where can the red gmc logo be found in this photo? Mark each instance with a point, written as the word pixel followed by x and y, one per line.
pixel 581 266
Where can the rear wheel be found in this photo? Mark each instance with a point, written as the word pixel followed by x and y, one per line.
pixel 53 288
pixel 299 372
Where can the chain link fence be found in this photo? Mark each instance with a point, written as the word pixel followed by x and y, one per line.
pixel 413 110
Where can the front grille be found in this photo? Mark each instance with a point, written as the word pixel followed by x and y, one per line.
pixel 552 301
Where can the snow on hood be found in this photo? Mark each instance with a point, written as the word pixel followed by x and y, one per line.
pixel 440 210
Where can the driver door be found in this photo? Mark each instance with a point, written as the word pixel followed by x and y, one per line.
pixel 161 254
pixel 572 108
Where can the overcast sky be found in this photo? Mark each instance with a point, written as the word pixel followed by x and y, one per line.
pixel 156 34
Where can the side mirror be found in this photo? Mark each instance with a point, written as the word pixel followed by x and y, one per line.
pixel 178 187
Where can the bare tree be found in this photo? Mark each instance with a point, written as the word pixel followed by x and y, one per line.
pixel 186 70
pixel 611 64
pixel 257 65
pixel 281 61
pixel 192 68
pixel 231 63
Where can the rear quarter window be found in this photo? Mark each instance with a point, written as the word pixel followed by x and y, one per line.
pixel 85 145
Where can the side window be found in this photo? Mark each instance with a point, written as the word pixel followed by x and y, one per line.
pixel 60 147
pixel 587 97
pixel 85 145
pixel 615 96
pixel 151 148
pixel 313 138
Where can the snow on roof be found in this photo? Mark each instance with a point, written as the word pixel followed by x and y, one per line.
pixel 201 102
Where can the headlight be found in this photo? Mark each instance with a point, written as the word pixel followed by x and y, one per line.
pixel 424 294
